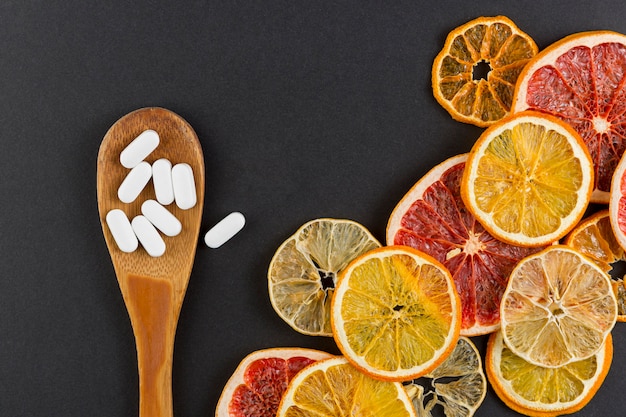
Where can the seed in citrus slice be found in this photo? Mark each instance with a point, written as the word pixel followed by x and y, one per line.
pixel 582 80
pixel 558 307
pixel 396 314
pixel 432 218
pixel 537 391
pixel 528 179
pixel 458 385
pixel 333 387
pixel 474 75
pixel 257 385
pixel 303 272
pixel 594 237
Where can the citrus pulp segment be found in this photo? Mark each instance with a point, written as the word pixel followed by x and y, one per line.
pixel 333 387
pixel 257 385
pixel 396 314
pixel 302 273
pixel 493 43
pixel 537 391
pixel 594 237
pixel 432 218
pixel 458 385
pixel 528 179
pixel 558 307
pixel 582 80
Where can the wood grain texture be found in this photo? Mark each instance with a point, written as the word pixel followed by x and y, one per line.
pixel 153 288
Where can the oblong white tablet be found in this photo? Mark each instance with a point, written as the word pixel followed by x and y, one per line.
pixel 162 180
pixel 122 231
pixel 184 186
pixel 223 231
pixel 161 218
pixel 148 236
pixel 137 150
pixel 134 182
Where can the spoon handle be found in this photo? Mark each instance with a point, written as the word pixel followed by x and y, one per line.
pixel 150 304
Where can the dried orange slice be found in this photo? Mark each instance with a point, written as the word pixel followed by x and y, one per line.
pixel 594 238
pixel 303 272
pixel 582 80
pixel 491 45
pixel 257 385
pixel 458 386
pixel 395 314
pixel 528 179
pixel 432 218
pixel 544 392
pixel 617 203
pixel 558 307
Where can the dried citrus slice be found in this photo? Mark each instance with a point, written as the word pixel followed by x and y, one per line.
pixel 333 387
pixel 257 385
pixel 558 307
pixel 617 202
pixel 432 218
pixel 458 385
pixel 582 80
pixel 528 179
pixel 303 272
pixel 474 75
pixel 537 391
pixel 395 314
pixel 594 238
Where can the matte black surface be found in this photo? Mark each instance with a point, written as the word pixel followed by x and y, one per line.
pixel 304 109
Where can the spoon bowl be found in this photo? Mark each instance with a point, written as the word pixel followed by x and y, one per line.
pixel 153 288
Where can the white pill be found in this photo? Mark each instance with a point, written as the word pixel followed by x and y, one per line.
pixel 122 231
pixel 162 180
pixel 161 218
pixel 184 186
pixel 148 236
pixel 139 148
pixel 228 227
pixel 134 182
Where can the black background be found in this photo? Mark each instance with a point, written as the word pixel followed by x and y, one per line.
pixel 304 109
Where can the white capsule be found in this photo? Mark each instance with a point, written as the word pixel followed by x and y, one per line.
pixel 161 218
pixel 139 148
pixel 228 227
pixel 134 183
pixel 122 231
pixel 184 186
pixel 162 180
pixel 148 235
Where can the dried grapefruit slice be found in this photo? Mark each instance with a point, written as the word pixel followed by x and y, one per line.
pixel 395 314
pixel 544 392
pixel 333 387
pixel 257 385
pixel 528 179
pixel 491 45
pixel 582 80
pixel 594 237
pixel 303 272
pixel 558 307
pixel 432 218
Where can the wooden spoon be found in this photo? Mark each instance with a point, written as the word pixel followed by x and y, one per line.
pixel 153 288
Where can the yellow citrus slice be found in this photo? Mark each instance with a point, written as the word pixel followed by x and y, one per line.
pixel 581 79
pixel 474 75
pixel 396 314
pixel 617 202
pixel 528 179
pixel 558 307
pixel 257 385
pixel 458 386
pixel 544 392
pixel 303 272
pixel 594 238
pixel 432 218
pixel 333 387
